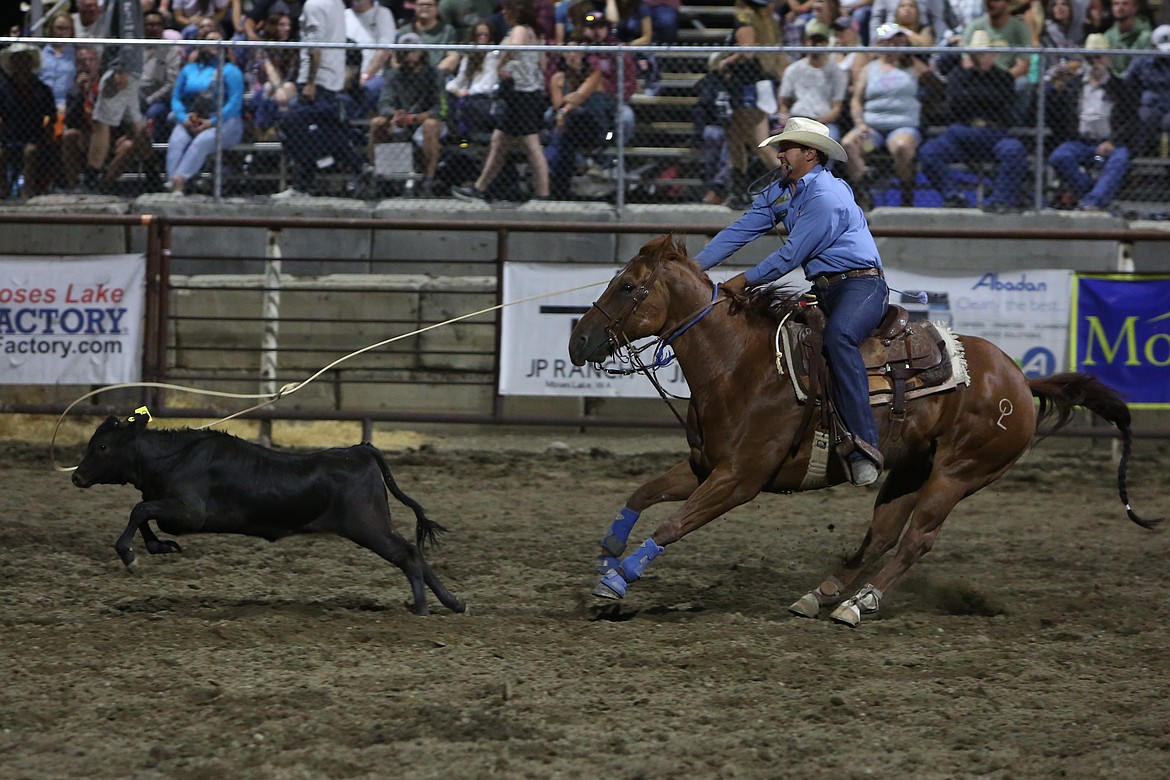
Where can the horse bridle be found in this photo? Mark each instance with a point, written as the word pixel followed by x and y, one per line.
pixel 616 336
pixel 614 327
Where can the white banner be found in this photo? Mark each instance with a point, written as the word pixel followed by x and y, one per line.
pixel 1025 313
pixel 71 321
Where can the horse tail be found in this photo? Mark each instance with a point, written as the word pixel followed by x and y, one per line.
pixel 1061 393
pixel 426 530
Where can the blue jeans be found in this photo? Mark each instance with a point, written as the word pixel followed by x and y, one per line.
pixel 716 158
pixel 971 144
pixel 315 131
pixel 853 309
pixel 1069 160
pixel 186 153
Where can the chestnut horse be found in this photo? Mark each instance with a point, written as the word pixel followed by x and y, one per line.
pixel 743 418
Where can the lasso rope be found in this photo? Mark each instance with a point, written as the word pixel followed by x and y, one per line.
pixel 291 387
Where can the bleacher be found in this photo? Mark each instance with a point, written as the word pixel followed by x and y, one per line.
pixel 660 161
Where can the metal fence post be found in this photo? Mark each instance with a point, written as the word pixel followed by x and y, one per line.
pixel 270 342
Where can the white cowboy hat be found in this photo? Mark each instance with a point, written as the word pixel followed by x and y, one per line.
pixel 811 133
pixel 981 40
pixel 1098 42
pixel 20 48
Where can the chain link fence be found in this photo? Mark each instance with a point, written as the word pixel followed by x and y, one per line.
pixel 924 126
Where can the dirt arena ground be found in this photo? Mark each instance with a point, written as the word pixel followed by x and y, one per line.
pixel 1034 641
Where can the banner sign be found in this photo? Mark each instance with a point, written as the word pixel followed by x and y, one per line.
pixel 1121 335
pixel 1025 313
pixel 71 321
pixel 534 348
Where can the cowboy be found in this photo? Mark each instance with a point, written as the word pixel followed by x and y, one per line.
pixel 829 237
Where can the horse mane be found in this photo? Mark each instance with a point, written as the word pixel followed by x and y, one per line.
pixel 770 303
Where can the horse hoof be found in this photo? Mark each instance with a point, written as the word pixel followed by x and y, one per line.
pixel 610 586
pixel 808 606
pixel 606 564
pixel 848 614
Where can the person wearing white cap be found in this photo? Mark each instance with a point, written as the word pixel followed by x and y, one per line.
pixel 886 113
pixel 829 238
pixel 26 134
pixel 1103 133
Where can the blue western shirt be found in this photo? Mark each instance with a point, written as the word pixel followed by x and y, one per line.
pixel 827 231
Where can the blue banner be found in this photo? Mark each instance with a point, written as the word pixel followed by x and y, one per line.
pixel 1121 335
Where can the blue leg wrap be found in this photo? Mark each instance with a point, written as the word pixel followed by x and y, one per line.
pixel 619 531
pixel 636 563
pixel 614 543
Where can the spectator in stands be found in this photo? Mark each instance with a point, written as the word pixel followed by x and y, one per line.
pixel 712 113
pixel 590 114
pixel 811 87
pixel 1062 72
pixel 886 114
pixel 755 25
pixel 314 130
pixel 263 10
pixel 523 102
pixel 1103 137
pixel 160 69
pixel 932 20
pixel 859 13
pixel 408 109
pixel 190 13
pixel 909 16
pixel 473 90
pixel 1130 30
pixel 29 116
pixel 119 97
pixel 367 21
pixel 430 30
pixel 664 20
pixel 1062 29
pixel 200 125
pixel 463 15
pixel 79 101
pixel 59 60
pixel 568 15
pixel 1098 17
pixel 980 100
pixel 273 75
pixel 632 26
pixel 1147 82
pixel 1003 29
pixel 87 20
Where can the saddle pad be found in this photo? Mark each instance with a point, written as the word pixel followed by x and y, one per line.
pixel 951 369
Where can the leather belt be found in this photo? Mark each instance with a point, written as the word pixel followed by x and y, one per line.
pixel 825 281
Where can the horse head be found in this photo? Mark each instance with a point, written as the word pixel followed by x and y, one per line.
pixel 636 303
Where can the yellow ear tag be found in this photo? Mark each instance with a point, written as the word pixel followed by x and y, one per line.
pixel 138 411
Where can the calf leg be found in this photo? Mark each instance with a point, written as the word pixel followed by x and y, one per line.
pixel 171 511
pixel 445 597
pixel 393 547
pixel 156 546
